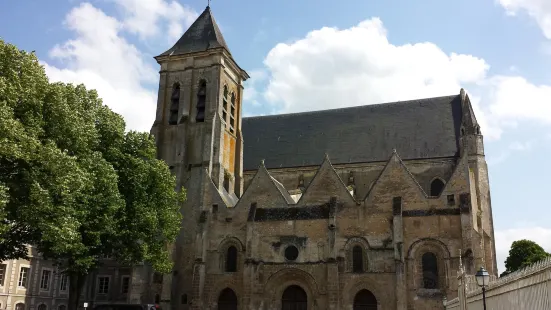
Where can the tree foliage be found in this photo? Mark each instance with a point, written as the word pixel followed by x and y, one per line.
pixel 523 253
pixel 73 183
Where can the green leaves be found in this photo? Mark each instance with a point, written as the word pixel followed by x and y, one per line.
pixel 72 181
pixel 523 253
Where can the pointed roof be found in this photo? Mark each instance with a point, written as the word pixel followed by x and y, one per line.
pixel 469 119
pixel 202 35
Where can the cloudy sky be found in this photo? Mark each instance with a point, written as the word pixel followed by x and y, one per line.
pixel 317 54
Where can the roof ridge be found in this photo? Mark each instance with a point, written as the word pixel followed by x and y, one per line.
pixel 385 104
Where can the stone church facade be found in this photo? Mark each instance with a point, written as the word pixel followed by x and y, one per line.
pixel 367 207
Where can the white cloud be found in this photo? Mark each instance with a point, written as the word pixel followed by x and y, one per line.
pixel 331 68
pixel 504 239
pixel 515 146
pixel 513 98
pixel 149 18
pixel 539 10
pixel 250 94
pixel 334 68
pixel 103 60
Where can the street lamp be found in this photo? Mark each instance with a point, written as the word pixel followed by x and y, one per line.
pixel 483 279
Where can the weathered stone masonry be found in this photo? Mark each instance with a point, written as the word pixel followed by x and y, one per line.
pixel 358 208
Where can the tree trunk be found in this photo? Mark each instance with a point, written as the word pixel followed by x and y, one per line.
pixel 76 283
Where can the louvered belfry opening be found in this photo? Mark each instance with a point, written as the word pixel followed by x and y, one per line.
pixel 201 102
pixel 174 104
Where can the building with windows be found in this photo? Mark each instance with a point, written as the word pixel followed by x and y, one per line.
pixel 36 284
pixel 367 207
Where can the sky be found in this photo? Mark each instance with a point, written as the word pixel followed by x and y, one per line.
pixel 318 54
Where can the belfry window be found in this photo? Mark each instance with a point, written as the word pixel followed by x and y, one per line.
pixel 357 259
pixel 430 270
pixel 436 187
pixel 225 105
pixel 232 113
pixel 201 102
pixel 231 259
pixel 174 104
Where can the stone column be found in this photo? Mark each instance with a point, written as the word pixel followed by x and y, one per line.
pixel 249 276
pixel 398 237
pixel 198 282
pixel 137 281
pixel 332 264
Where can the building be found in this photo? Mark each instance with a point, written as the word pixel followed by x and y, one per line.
pixel 367 207
pixel 36 284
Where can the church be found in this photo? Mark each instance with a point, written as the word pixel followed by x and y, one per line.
pixel 366 207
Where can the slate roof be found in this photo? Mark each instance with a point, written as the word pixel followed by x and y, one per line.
pixel 202 35
pixel 424 128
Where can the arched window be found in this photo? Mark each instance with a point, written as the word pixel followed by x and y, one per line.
pixel 365 300
pixel 430 270
pixel 227 300
pixel 201 102
pixel 295 298
pixel 436 187
pixel 225 105
pixel 20 306
pixel 183 299
pixel 231 259
pixel 42 307
pixel 357 259
pixel 174 104
pixel 232 113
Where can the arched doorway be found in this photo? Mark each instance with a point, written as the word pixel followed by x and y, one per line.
pixel 227 300
pixel 365 300
pixel 294 298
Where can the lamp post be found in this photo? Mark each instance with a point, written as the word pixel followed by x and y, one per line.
pixel 482 279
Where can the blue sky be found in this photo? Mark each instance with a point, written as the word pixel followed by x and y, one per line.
pixel 306 55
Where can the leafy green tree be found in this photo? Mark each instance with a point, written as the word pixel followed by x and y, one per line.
pixel 73 183
pixel 523 253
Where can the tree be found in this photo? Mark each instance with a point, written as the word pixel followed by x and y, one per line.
pixel 73 183
pixel 523 253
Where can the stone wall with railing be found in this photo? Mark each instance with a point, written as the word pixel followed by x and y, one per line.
pixel 529 288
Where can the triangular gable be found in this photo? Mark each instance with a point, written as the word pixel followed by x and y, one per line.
pixel 459 180
pixel 397 180
pixel 325 184
pixel 266 191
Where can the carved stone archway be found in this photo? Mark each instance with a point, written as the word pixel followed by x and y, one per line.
pixel 283 279
pixel 352 288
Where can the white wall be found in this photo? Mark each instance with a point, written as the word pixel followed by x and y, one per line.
pixel 528 289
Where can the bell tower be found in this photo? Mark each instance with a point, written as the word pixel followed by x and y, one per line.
pixel 198 119
pixel 198 134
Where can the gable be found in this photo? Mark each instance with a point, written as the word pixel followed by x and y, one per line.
pixel 325 184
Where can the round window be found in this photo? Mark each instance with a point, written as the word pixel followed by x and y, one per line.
pixel 291 252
